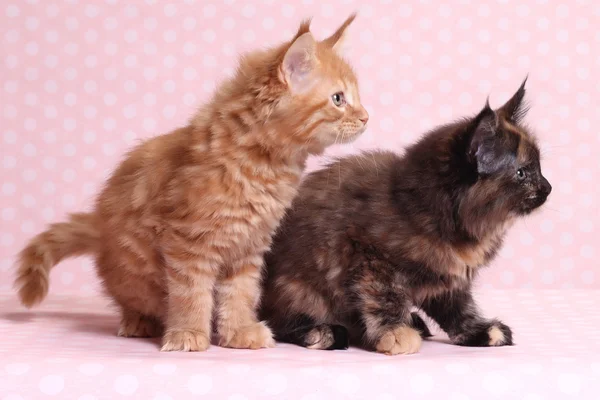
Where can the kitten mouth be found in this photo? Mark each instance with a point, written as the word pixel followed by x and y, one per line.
pixel 350 137
pixel 531 203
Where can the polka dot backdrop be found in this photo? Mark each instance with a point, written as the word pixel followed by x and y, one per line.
pixel 82 82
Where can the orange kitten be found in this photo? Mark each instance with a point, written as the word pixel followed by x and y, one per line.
pixel 180 229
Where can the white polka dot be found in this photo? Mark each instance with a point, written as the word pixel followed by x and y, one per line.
pixel 48 213
pixel 248 36
pixel 29 174
pixel 386 98
pixel 162 396
pixel 275 384
pixel 17 368
pixel 421 384
pixel 7 239
pixel 569 383
pixel 109 124
pixel 189 23
pixel 209 61
pixel 108 149
pixel 68 200
pixel 209 10
pixel 496 383
pixel 131 35
pixel 169 86
pixel 52 384
pixel 587 251
pixel 89 163
pixel 200 384
pixel 164 369
pixel 8 214
pixel 8 188
pixel 126 385
pixel 169 111
pixel 10 137
pixel 508 277
pixel 12 11
pixel 91 369
pixel 548 277
pixel 346 383
pixel 386 124
pixel 248 10
pixel 69 175
pixel 588 277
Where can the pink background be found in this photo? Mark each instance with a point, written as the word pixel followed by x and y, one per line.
pixel 84 81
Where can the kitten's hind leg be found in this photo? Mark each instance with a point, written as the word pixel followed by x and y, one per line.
pixel 134 324
pixel 302 330
pixel 420 325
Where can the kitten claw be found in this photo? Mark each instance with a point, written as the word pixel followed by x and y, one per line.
pixel 254 336
pixel 402 340
pixel 185 340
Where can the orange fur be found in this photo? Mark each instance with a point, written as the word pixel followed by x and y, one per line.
pixel 180 229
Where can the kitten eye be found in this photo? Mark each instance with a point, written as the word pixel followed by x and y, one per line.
pixel 338 99
pixel 520 174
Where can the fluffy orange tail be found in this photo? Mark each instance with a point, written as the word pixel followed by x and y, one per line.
pixel 74 238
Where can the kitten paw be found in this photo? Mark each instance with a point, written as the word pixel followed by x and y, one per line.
pixel 327 337
pixel 254 336
pixel 139 326
pixel 489 334
pixel 402 340
pixel 185 340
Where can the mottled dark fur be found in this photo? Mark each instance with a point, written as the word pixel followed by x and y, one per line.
pixel 371 236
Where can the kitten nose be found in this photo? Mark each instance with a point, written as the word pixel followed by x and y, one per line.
pixel 363 115
pixel 545 187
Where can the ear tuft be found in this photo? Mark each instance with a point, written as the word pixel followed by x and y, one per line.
pixel 515 108
pixel 335 41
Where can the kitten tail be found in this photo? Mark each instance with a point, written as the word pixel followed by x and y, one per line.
pixel 65 239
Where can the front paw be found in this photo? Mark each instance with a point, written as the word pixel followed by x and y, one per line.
pixel 492 333
pixel 185 340
pixel 254 336
pixel 402 340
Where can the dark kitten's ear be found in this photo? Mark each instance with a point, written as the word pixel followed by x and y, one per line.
pixel 483 146
pixel 515 109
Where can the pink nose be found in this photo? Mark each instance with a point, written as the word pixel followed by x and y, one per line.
pixel 364 116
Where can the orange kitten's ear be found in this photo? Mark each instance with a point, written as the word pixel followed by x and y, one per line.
pixel 336 40
pixel 299 62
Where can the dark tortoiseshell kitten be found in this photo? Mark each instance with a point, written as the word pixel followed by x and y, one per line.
pixel 372 236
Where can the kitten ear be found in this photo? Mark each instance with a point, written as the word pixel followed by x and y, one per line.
pixel 336 40
pixel 299 62
pixel 482 147
pixel 515 109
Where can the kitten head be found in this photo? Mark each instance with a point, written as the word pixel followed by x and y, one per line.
pixel 507 160
pixel 321 93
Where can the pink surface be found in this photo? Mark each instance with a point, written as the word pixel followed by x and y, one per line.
pixel 69 349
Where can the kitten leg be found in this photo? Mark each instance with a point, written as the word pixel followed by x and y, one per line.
pixel 134 324
pixel 303 330
pixel 190 305
pixel 385 314
pixel 420 325
pixel 458 316
pixel 238 295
